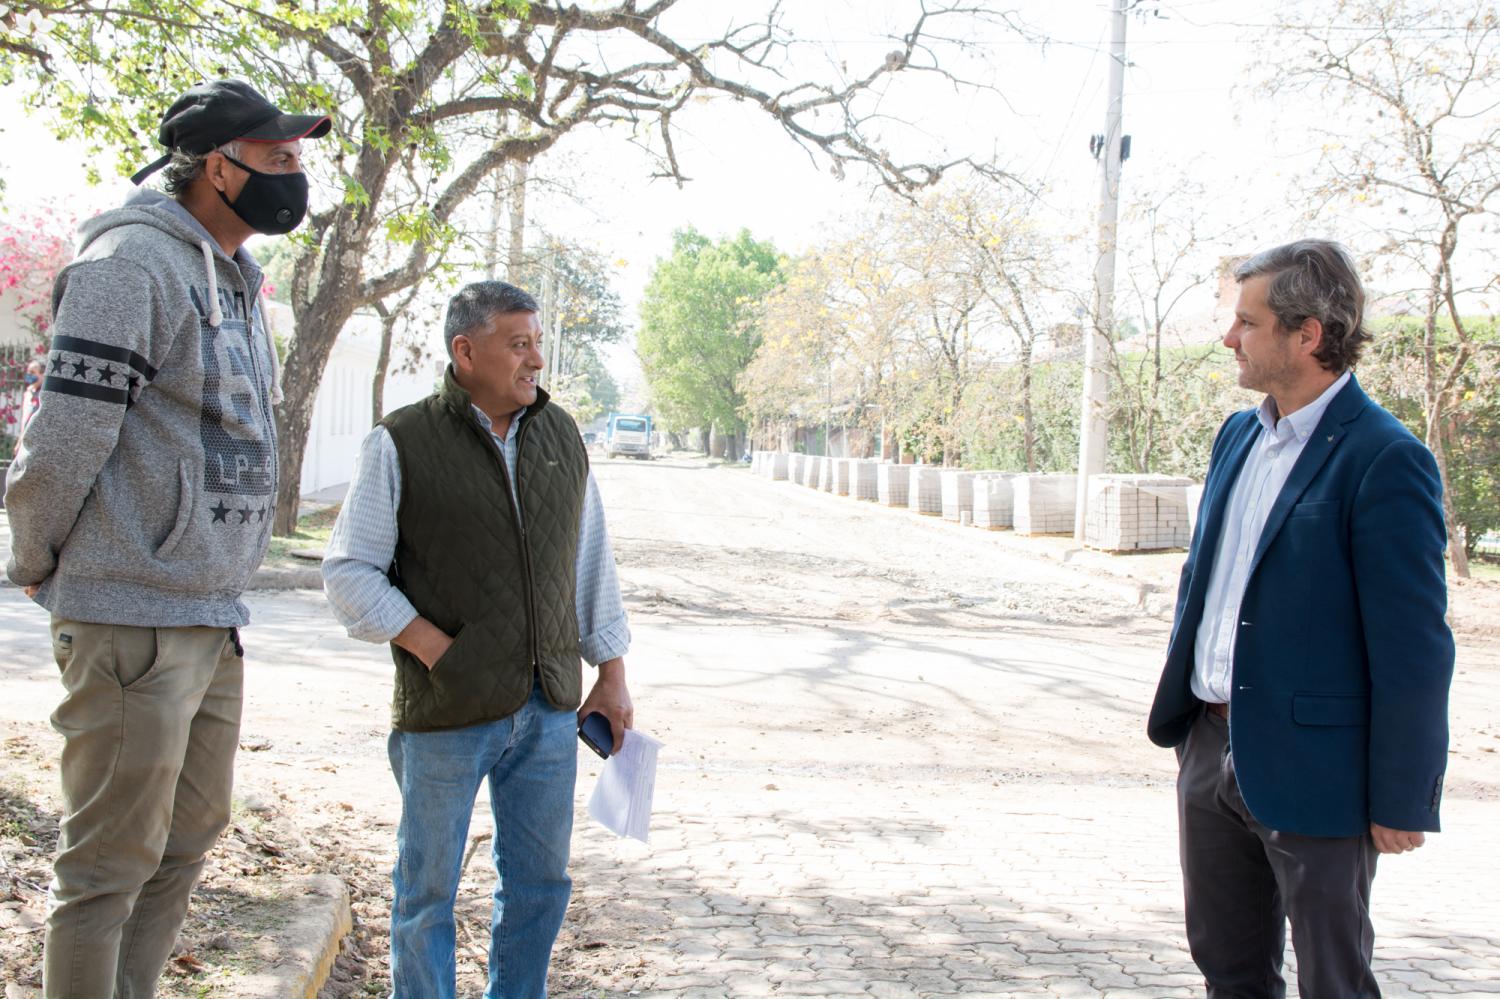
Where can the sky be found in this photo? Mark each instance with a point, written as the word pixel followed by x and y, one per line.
pixel 1189 106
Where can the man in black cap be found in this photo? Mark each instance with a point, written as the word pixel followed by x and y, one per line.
pixel 140 503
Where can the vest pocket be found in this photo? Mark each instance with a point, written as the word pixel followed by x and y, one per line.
pixel 450 654
pixel 184 512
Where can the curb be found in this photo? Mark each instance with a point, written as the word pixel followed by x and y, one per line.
pixel 275 578
pixel 302 952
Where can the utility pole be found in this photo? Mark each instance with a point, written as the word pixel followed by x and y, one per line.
pixel 492 242
pixel 1093 423
pixel 549 309
pixel 551 317
pixel 516 254
pixel 510 198
pixel 555 334
pixel 828 417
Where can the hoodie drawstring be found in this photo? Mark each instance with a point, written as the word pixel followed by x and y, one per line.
pixel 276 395
pixel 216 319
pixel 215 314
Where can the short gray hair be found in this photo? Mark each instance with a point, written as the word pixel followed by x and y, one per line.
pixel 477 303
pixel 1315 279
pixel 184 168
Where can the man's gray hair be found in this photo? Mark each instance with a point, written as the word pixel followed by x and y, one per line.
pixel 1315 279
pixel 184 168
pixel 475 304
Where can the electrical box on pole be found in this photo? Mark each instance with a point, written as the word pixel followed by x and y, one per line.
pixel 1109 149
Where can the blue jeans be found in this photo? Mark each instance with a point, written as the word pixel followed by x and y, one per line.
pixel 531 762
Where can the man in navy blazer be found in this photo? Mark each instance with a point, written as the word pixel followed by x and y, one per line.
pixel 1306 682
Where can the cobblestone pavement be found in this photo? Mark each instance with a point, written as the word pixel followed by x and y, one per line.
pixel 1014 891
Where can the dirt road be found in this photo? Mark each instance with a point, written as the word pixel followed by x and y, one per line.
pixel 902 758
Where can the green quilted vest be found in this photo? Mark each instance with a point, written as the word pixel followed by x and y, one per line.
pixel 503 589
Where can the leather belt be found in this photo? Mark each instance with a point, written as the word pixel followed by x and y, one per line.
pixel 1222 710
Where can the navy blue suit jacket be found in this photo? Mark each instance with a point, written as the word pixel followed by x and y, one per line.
pixel 1339 708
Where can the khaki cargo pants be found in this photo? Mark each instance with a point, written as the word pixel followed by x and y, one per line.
pixel 150 719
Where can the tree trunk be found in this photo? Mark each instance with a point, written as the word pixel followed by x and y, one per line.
pixel 318 326
pixel 382 364
pixel 516 256
pixel 1028 416
pixel 300 380
pixel 1458 551
pixel 1436 415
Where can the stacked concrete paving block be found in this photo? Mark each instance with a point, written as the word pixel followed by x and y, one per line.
pixel 995 501
pixel 1044 504
pixel 862 480
pixel 811 469
pixel 925 493
pixel 1194 501
pixel 825 475
pixel 840 482
pixel 958 492
pixel 891 482
pixel 1136 513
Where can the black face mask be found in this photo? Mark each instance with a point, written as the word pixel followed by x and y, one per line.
pixel 270 203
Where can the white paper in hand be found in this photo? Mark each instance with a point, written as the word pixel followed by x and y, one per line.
pixel 622 799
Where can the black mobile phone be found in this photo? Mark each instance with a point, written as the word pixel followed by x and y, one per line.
pixel 596 733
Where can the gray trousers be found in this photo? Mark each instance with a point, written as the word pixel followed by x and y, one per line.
pixel 150 720
pixel 1243 881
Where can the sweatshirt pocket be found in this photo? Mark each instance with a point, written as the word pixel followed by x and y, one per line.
pixel 184 512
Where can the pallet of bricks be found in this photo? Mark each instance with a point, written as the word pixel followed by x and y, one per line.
pixel 1137 513
pixel 994 500
pixel 1044 504
pixel 924 492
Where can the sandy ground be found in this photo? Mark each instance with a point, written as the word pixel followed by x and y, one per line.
pixel 827 676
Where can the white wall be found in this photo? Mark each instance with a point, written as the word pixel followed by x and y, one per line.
pixel 12 330
pixel 341 414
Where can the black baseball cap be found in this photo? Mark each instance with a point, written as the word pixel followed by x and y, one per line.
pixel 211 114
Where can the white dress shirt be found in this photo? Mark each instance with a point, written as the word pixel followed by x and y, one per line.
pixel 363 545
pixel 1254 492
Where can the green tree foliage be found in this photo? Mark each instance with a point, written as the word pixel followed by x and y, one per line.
pixel 603 390
pixel 893 327
pixel 1393 370
pixel 700 327
pixel 831 341
pixel 992 426
pixel 577 283
pixel 589 312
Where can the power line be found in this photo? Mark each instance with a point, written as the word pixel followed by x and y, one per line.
pixel 1063 135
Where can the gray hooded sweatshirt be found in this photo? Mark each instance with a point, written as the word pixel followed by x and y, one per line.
pixel 143 490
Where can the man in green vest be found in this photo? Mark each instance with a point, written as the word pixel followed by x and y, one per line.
pixel 473 541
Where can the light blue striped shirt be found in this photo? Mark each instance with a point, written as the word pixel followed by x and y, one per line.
pixel 363 546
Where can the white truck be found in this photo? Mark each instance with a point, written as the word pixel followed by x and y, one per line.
pixel 628 433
